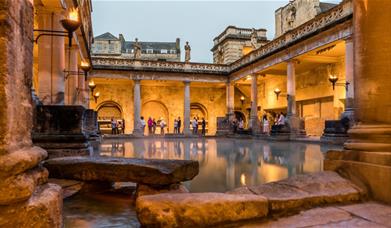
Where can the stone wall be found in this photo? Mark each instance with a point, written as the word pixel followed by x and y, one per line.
pixel 26 199
pixel 161 99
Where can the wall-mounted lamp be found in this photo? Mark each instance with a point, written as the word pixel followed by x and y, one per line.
pixel 242 99
pixel 86 67
pixel 277 91
pixel 334 79
pixel 71 23
pixel 96 96
pixel 92 86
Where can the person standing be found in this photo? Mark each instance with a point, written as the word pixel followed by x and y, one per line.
pixel 266 127
pixel 154 124
pixel 162 126
pixel 150 125
pixel 113 126
pixel 195 126
pixel 179 125
pixel 142 122
pixel 241 124
pixel 203 125
pixel 175 126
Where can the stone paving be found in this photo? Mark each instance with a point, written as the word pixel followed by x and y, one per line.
pixel 368 214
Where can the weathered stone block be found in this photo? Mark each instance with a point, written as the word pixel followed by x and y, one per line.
pixel 20 160
pixel 20 187
pixel 198 209
pixel 145 171
pixel 43 209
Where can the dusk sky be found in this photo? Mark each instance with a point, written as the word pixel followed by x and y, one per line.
pixel 195 21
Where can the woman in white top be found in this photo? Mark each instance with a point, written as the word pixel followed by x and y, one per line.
pixel 162 126
pixel 266 127
pixel 241 124
pixel 281 119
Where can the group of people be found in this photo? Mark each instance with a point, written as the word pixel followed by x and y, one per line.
pixel 117 126
pixel 152 125
pixel 266 122
pixel 194 124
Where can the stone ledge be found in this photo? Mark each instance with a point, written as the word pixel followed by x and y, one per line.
pixel 305 191
pixel 43 209
pixel 145 171
pixel 19 161
pixel 198 209
pixel 377 158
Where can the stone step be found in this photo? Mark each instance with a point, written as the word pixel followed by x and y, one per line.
pixel 306 191
pixel 198 209
pixel 245 203
pixel 144 171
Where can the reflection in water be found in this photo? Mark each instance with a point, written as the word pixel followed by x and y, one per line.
pixel 224 163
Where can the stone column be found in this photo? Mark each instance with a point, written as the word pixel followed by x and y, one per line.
pixel 51 62
pixel 186 109
pixel 369 144
pixel 137 129
pixel 349 74
pixel 26 197
pixel 292 119
pixel 72 77
pixel 291 88
pixel 230 95
pixel 82 91
pixel 254 105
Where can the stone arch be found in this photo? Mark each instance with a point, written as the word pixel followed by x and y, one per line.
pixel 198 110
pixel 155 109
pixel 109 109
pixel 239 115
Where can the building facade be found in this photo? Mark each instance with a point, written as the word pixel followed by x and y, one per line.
pixel 233 43
pixel 109 45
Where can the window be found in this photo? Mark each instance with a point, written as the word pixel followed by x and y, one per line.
pixel 149 51
pixel 172 51
pixel 163 51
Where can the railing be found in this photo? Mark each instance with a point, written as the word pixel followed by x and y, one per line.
pixel 339 12
pixel 130 64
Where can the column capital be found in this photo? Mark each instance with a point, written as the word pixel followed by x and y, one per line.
pixel 294 61
pixel 137 80
pixel 348 39
pixel 186 82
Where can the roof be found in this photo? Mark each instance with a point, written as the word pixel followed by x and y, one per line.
pixel 326 6
pixel 106 36
pixel 152 45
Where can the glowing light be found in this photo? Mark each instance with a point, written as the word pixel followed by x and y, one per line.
pixel 277 90
pixel 84 64
pixel 243 179
pixel 248 77
pixel 242 98
pixel 97 94
pixel 73 15
pixel 91 83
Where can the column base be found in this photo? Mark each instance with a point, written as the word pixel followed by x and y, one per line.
pixel 138 132
pixel 366 159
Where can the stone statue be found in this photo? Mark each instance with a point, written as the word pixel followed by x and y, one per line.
pixel 137 49
pixel 291 16
pixel 254 38
pixel 187 52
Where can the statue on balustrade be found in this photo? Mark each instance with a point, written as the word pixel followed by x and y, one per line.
pixel 187 52
pixel 137 49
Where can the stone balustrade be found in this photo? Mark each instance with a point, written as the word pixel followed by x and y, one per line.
pixel 147 65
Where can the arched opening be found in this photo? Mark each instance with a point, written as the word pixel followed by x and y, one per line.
pixel 110 110
pixel 158 111
pixel 199 111
pixel 239 115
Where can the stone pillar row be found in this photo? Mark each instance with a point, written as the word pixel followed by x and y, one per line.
pixel 137 129
pixel 26 197
pixel 230 100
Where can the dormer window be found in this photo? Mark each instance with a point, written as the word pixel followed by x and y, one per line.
pixel 172 51
pixel 163 51
pixel 149 51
